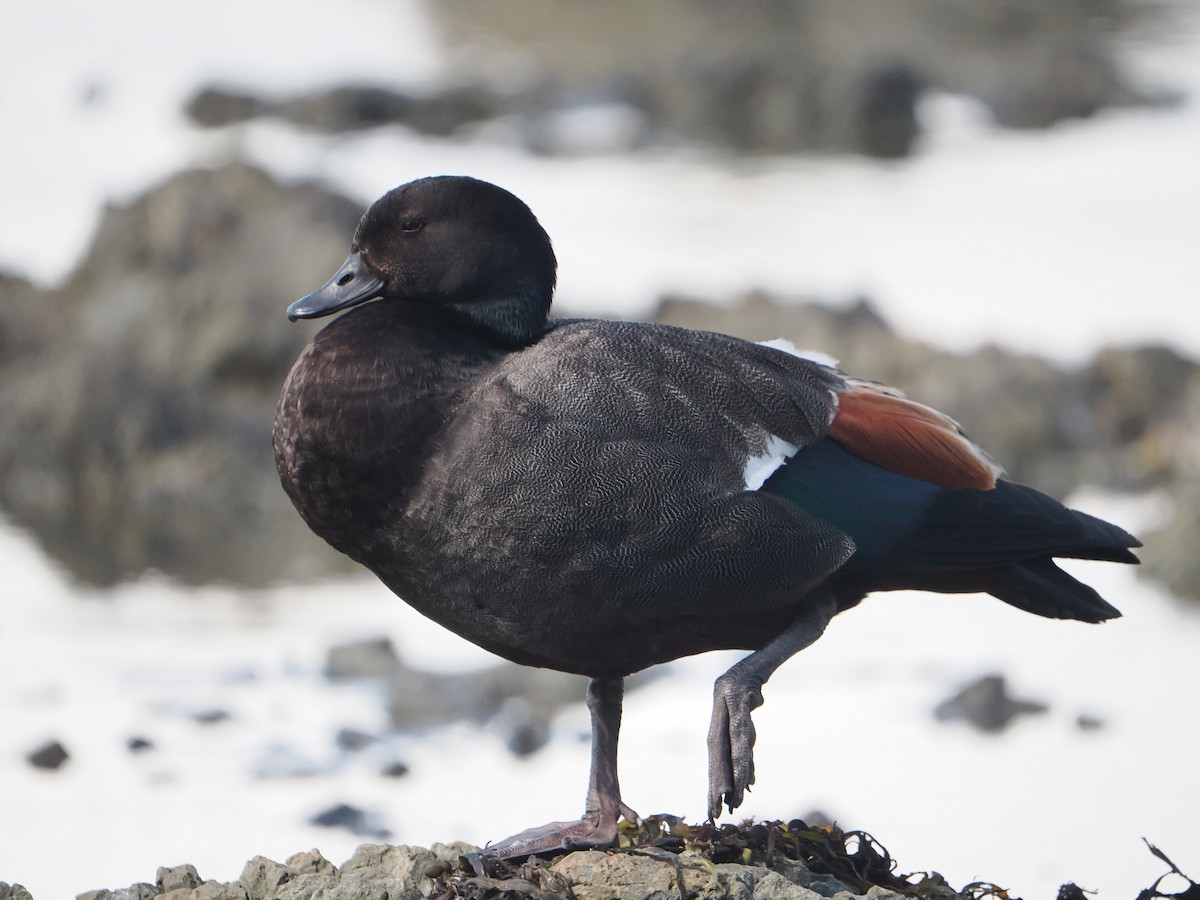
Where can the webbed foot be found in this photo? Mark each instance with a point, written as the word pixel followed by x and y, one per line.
pixel 593 830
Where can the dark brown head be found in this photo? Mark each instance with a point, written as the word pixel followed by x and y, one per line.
pixel 450 241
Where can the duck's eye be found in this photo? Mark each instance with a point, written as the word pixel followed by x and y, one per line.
pixel 411 226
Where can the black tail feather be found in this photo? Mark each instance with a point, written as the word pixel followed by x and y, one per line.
pixel 1040 587
pixel 1011 523
pixel 1002 542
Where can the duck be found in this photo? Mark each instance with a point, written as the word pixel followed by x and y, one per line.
pixel 599 497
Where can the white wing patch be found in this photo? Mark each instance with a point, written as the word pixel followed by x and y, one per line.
pixel 821 359
pixel 762 465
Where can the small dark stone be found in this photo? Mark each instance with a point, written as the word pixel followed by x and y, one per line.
pixel 355 820
pixel 210 716
pixel 528 738
pixel 50 755
pixel 1088 722
pixel 395 769
pixel 351 739
pixel 986 705
pixel 214 107
pixel 138 744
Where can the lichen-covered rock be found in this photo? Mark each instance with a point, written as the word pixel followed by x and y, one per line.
pixel 207 890
pixel 662 858
pixel 595 875
pixel 310 862
pixel 14 892
pixel 262 877
pixel 140 891
pixel 172 878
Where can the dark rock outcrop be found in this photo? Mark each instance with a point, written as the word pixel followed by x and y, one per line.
pixel 138 398
pixel 786 75
pixel 352 108
pixel 776 76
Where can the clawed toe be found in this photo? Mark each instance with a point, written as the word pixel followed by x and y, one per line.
pixel 731 743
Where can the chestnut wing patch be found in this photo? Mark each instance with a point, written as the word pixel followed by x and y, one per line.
pixel 884 427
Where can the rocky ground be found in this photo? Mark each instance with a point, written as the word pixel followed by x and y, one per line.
pixel 662 859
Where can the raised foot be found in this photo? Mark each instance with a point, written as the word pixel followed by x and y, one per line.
pixel 731 741
pixel 594 830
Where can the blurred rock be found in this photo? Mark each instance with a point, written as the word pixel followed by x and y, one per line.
pixel 14 892
pixel 528 732
pixel 887 123
pixel 356 821
pixel 518 701
pixel 139 397
pixel 210 716
pixel 50 755
pixel 352 740
pixel 571 76
pixel 214 107
pixel 985 704
pixel 351 108
pixel 138 744
pixel 367 658
pixel 786 75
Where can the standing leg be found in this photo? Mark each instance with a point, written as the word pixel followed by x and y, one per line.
pixel 598 825
pixel 738 691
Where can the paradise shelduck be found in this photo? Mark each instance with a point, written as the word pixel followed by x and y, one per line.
pixel 598 496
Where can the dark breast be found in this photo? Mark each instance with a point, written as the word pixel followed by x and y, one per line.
pixel 358 417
